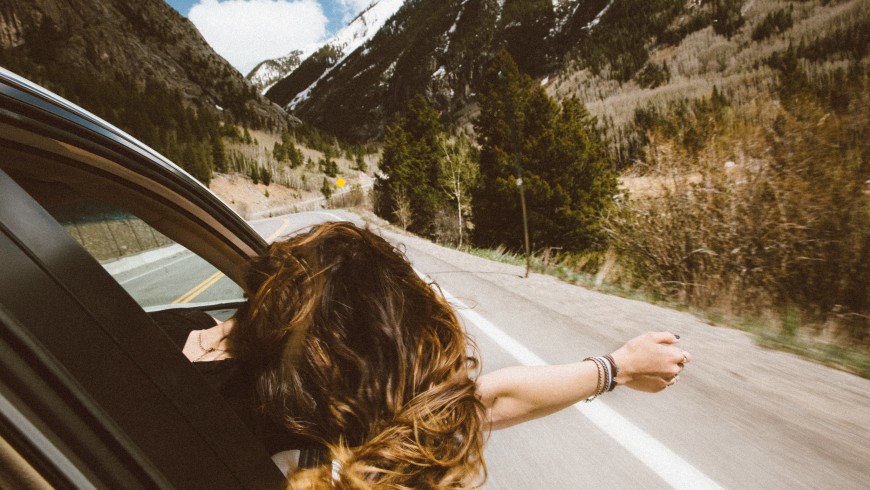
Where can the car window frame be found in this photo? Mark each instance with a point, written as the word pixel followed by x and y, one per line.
pixel 39 121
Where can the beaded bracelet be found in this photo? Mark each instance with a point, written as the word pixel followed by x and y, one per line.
pixel 608 374
pixel 601 386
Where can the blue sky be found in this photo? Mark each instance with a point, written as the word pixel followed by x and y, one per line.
pixel 246 32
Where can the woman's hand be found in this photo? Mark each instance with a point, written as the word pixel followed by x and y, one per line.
pixel 650 362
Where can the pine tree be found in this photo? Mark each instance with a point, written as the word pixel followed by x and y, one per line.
pixel 390 178
pixel 293 154
pixel 328 166
pixel 278 152
pixel 495 202
pixel 326 188
pixel 219 154
pixel 584 181
pixel 557 155
pixel 360 162
pixel 411 164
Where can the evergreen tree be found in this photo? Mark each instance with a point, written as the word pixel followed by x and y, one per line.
pixel 495 202
pixel 360 163
pixel 411 164
pixel 219 153
pixel 581 179
pixel 326 188
pixel 265 175
pixel 293 154
pixel 389 180
pixel 328 166
pixel 278 152
pixel 557 153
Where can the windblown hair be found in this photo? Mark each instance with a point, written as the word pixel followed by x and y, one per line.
pixel 352 350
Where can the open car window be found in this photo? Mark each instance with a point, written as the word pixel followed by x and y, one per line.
pixel 155 270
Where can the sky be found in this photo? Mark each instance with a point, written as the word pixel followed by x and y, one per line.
pixel 246 32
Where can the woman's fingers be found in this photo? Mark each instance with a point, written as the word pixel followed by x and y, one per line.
pixel 651 362
pixel 687 358
pixel 664 337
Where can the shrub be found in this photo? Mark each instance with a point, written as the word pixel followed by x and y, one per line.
pixel 790 232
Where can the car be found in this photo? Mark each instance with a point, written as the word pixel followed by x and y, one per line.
pixel 98 231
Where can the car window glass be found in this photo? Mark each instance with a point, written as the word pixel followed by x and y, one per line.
pixel 157 272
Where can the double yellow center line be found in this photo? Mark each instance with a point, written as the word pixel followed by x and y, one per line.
pixel 199 288
pixel 212 279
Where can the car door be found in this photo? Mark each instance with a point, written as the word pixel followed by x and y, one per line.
pixel 92 393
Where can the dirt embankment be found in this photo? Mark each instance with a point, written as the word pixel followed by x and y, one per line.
pixel 250 199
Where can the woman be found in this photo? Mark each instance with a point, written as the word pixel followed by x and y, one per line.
pixel 364 367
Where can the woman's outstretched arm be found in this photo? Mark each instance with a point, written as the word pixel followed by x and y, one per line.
pixel 650 362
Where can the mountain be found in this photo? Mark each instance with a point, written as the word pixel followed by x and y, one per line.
pixel 324 56
pixel 615 55
pixel 319 59
pixel 437 47
pixel 267 72
pixel 70 43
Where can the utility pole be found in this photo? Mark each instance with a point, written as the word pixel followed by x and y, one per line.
pixel 523 205
pixel 519 171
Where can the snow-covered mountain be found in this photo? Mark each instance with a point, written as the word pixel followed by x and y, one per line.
pixel 267 72
pixel 362 82
pixel 396 49
pixel 347 40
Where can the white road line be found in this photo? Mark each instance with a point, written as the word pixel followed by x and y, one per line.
pixel 669 466
pixel 164 266
pixel 332 216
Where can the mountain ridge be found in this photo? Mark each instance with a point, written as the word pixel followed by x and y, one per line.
pixel 149 42
pixel 345 41
pixel 434 47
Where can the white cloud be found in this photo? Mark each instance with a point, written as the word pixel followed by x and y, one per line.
pixel 246 32
pixel 353 7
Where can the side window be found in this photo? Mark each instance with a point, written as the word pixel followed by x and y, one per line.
pixel 157 272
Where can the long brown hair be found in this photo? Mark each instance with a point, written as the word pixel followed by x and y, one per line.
pixel 352 350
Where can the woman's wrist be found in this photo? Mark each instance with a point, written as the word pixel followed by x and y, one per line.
pixel 608 371
pixel 623 372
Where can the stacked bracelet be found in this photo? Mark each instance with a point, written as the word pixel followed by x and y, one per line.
pixel 602 377
pixel 607 373
pixel 614 371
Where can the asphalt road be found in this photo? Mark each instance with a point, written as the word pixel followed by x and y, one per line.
pixel 741 416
